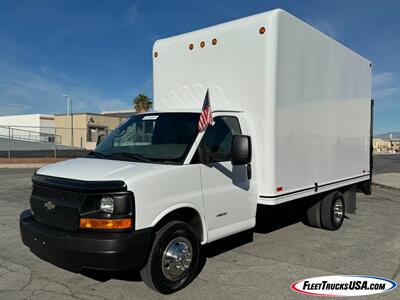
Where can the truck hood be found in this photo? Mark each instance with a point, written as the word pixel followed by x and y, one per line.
pixel 93 169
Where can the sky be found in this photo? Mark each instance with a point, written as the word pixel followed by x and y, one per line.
pixel 99 52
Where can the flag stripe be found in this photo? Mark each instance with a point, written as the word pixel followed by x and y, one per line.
pixel 205 115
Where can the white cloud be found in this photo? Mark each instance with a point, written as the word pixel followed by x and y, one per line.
pixel 47 70
pixel 384 85
pixel 25 90
pixel 112 104
pixel 28 89
pixel 13 108
pixel 133 13
pixel 383 78
pixel 384 92
pixel 17 84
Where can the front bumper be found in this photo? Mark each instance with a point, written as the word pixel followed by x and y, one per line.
pixel 77 250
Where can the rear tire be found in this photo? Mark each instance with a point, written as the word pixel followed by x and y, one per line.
pixel 314 215
pixel 173 258
pixel 332 211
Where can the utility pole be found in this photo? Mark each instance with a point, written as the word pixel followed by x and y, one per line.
pixel 69 114
pixel 9 142
pixel 72 124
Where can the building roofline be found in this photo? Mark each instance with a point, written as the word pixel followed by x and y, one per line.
pixel 132 110
pixel 88 113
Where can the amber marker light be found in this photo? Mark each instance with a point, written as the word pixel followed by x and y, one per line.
pixel 89 223
pixel 191 47
pixel 155 54
pixel 261 30
pixel 214 41
pixel 202 44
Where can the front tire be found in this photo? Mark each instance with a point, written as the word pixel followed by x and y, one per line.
pixel 173 258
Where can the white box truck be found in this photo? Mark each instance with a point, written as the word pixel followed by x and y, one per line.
pixel 292 119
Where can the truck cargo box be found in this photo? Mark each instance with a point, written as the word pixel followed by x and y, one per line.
pixel 306 98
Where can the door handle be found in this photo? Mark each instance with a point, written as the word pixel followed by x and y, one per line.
pixel 249 173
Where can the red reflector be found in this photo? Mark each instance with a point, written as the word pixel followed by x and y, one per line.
pixel 279 189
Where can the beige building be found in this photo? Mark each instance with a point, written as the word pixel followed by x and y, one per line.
pixel 386 145
pixel 86 128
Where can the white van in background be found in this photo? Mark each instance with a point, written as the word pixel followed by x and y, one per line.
pixel 292 118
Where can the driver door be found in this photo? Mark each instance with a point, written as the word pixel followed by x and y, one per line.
pixel 228 205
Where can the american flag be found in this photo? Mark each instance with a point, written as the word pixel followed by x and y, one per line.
pixel 205 116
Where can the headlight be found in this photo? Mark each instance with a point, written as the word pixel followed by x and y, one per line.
pixel 107 204
pixel 113 210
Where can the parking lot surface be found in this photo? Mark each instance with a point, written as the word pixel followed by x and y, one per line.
pixel 386 163
pixel 282 251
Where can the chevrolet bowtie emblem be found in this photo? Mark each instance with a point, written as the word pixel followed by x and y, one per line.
pixel 49 205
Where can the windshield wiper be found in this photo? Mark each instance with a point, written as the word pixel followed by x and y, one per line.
pixel 96 154
pixel 130 156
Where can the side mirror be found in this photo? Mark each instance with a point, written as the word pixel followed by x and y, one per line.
pixel 241 149
pixel 100 139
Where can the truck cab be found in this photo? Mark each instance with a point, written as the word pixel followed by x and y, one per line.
pixel 156 170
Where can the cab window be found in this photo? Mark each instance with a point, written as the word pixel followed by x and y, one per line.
pixel 217 140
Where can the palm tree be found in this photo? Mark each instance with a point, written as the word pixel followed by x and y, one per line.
pixel 142 103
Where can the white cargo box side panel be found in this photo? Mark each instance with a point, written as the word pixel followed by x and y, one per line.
pixel 235 69
pixel 239 71
pixel 322 108
pixel 305 96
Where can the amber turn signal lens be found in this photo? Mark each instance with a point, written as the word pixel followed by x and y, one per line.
pixel 261 30
pixel 105 223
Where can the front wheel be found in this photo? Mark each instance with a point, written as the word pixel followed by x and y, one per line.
pixel 173 259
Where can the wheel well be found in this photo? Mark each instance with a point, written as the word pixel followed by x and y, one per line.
pixel 186 214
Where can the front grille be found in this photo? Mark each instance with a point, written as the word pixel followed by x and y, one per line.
pixel 56 207
pixel 59 197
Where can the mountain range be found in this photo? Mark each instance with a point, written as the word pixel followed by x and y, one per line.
pixel 395 135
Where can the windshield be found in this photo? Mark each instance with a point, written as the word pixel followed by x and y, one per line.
pixel 163 137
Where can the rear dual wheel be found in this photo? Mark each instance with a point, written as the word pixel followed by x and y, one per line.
pixel 327 213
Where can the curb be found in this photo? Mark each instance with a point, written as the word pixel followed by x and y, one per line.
pixel 21 166
pixel 385 186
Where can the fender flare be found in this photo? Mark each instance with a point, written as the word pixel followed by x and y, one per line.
pixel 172 208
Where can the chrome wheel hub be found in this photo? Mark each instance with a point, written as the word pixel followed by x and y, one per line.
pixel 338 211
pixel 177 258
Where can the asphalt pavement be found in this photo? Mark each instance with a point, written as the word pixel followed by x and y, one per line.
pixel 254 265
pixel 386 163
